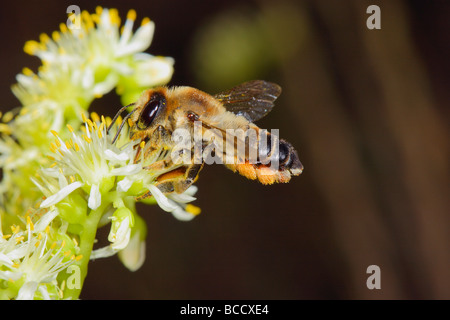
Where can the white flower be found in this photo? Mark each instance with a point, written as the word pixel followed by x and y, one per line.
pixel 26 256
pixel 87 62
pixel 91 159
pixel 133 255
pixel 177 203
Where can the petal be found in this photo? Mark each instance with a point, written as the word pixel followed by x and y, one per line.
pixel 139 42
pixel 27 291
pixel 13 275
pixel 120 236
pixel 111 155
pixel 182 215
pixel 124 184
pixel 133 256
pixel 45 220
pixel 104 252
pixel 182 198
pixel 4 260
pixel 165 203
pixel 127 170
pixel 95 197
pixel 61 194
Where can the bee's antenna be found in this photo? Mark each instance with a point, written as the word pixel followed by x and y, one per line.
pixel 121 125
pixel 117 115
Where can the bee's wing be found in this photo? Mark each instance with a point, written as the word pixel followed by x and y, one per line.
pixel 253 99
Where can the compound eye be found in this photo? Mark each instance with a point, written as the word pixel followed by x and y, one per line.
pixel 150 111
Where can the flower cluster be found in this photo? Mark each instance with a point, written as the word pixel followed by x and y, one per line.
pixel 64 175
pixel 33 254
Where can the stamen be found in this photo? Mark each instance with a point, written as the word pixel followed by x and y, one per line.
pixel 131 15
pixel 95 117
pixel 30 223
pixel 193 209
pixel 70 128
pixel 145 21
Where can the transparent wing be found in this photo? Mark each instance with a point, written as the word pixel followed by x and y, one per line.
pixel 253 99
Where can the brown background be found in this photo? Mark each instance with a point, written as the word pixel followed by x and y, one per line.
pixel 368 112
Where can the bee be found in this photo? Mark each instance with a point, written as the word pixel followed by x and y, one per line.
pixel 161 112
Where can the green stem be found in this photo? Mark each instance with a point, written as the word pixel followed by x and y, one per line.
pixel 87 239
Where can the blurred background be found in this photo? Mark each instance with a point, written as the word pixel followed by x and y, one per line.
pixel 367 110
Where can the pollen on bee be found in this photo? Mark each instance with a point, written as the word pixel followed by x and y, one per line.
pixel 142 144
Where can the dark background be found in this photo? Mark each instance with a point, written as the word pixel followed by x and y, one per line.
pixel 367 110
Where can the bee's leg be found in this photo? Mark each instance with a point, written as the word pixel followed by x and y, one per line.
pixel 190 177
pixel 177 180
pixel 161 137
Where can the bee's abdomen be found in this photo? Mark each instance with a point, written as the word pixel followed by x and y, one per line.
pixel 275 163
pixel 288 158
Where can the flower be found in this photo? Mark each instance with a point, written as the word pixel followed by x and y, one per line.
pixel 29 264
pixel 90 160
pixel 80 64
pixel 107 174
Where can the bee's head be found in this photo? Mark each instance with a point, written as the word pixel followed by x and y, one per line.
pixel 146 111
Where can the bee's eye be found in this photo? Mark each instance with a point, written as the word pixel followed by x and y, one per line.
pixel 150 111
